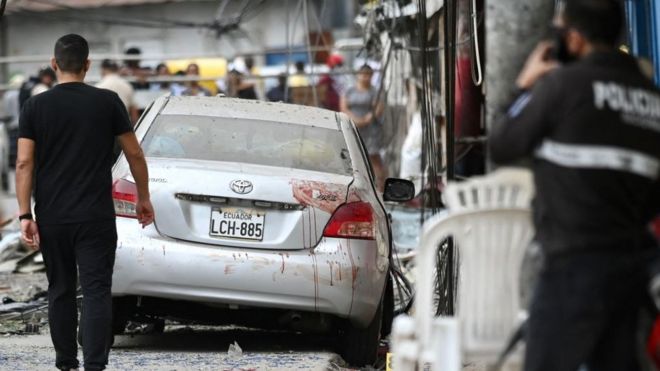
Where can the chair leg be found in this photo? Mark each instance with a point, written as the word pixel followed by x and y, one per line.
pixel 444 352
pixel 405 348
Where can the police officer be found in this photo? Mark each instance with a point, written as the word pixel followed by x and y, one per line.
pixel 591 121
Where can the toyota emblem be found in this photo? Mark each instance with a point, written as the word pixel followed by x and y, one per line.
pixel 241 186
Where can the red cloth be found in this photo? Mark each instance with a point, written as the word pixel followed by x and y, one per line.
pixel 334 60
pixel 331 100
pixel 467 101
pixel 653 343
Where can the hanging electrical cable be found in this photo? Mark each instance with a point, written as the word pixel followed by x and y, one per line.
pixel 221 10
pixel 430 161
pixel 251 10
pixel 216 25
pixel 289 42
pixel 317 20
pixel 425 148
pixel 309 50
pixel 450 75
pixel 475 55
pixel 141 22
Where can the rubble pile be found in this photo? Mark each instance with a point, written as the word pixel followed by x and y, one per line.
pixel 23 301
pixel 16 257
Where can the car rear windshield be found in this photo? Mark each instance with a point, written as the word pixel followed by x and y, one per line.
pixel 248 141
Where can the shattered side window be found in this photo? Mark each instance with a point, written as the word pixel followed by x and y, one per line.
pixel 248 141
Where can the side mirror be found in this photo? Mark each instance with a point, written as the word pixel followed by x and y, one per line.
pixel 398 190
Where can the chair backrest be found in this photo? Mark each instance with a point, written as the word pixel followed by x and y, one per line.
pixel 490 221
pixel 503 188
pixel 490 251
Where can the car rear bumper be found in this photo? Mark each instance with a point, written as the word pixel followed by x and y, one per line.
pixel 338 277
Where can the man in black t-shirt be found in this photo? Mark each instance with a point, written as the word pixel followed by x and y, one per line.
pixel 66 137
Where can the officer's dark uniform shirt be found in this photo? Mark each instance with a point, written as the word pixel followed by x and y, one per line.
pixel 74 126
pixel 593 129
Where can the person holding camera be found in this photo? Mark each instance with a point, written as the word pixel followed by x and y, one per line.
pixel 590 120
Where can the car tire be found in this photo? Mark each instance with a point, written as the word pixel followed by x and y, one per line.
pixel 159 326
pixel 123 308
pixel 80 340
pixel 359 346
pixel 388 308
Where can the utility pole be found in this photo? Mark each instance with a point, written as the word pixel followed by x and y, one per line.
pixel 513 28
pixel 4 49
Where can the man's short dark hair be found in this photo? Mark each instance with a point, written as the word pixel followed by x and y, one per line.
pixel 132 63
pixel 281 79
pixel 47 72
pixel 365 68
pixel 110 65
pixel 600 21
pixel 71 53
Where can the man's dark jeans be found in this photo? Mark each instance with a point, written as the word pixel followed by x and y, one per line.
pixel 92 246
pixel 585 311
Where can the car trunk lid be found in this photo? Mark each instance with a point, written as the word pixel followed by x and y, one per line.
pixel 241 205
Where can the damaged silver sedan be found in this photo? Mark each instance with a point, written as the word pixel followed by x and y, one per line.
pixel 266 215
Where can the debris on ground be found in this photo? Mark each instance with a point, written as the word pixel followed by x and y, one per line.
pixel 23 303
pixel 30 263
pixel 141 328
pixel 16 257
pixel 11 309
pixel 235 350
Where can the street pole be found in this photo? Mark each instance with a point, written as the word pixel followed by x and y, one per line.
pixel 450 31
pixel 513 28
pixel 4 48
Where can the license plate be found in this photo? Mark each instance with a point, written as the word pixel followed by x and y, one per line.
pixel 237 223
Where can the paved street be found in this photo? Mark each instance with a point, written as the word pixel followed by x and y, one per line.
pixel 185 349
pixel 178 348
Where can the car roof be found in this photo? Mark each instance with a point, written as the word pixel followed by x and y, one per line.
pixel 251 110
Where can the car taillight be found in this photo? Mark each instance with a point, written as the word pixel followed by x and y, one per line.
pixel 124 195
pixel 352 220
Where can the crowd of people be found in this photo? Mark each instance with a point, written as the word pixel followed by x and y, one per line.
pixel 334 89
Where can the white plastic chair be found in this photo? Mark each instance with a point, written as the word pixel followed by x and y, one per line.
pixel 489 219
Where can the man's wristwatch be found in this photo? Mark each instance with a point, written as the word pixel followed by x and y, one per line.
pixel 26 216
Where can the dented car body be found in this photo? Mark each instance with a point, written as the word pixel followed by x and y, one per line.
pixel 259 205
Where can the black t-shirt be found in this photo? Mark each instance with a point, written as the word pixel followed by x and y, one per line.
pixel 74 126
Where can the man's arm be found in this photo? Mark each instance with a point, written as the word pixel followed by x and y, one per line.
pixel 527 121
pixel 24 171
pixel 517 135
pixel 138 165
pixel 134 114
pixel 133 111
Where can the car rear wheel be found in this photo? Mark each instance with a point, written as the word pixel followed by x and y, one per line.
pixel 123 308
pixel 80 340
pixel 359 346
pixel 388 308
